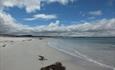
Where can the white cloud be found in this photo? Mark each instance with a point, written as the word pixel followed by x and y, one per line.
pixel 30 5
pixel 9 25
pixel 64 2
pixel 42 16
pixel 96 13
pixel 104 27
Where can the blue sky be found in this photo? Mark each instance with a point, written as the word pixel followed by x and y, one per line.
pixel 77 11
pixel 58 17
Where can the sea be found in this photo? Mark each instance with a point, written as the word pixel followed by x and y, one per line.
pixel 95 50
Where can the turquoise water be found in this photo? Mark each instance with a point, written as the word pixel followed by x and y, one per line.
pixel 100 51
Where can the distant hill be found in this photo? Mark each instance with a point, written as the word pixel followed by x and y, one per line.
pixel 9 35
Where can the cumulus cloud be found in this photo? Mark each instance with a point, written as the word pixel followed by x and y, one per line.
pixel 64 2
pixel 104 27
pixel 42 16
pixel 95 13
pixel 30 5
pixel 8 25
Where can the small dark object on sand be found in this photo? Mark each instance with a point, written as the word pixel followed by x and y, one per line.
pixel 42 58
pixel 56 66
pixel 11 41
pixel 4 45
pixel 40 38
pixel 29 39
pixel 5 41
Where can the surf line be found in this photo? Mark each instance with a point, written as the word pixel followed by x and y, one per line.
pixel 82 56
pixel 62 50
pixel 94 61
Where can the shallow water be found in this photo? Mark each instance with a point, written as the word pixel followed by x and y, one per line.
pixel 100 51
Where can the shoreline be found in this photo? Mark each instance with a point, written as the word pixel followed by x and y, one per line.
pixel 22 54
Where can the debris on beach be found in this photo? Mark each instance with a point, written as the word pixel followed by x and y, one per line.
pixel 5 41
pixel 4 45
pixel 11 41
pixel 56 66
pixel 29 39
pixel 41 58
pixel 40 38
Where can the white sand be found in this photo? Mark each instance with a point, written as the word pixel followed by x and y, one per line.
pixel 22 54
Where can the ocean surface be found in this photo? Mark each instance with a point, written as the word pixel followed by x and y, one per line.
pixel 99 51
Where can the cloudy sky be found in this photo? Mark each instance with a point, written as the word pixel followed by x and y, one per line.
pixel 58 17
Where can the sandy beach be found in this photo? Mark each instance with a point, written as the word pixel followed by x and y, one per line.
pixel 22 54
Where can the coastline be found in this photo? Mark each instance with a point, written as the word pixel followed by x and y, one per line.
pixel 22 54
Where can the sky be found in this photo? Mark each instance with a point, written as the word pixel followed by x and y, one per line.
pixel 58 17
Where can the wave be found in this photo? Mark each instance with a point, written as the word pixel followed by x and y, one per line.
pixel 82 56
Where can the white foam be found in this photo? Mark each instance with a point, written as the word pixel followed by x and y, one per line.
pixel 83 56
pixel 94 61
pixel 63 50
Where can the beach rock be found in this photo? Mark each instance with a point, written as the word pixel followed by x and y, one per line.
pixel 56 66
